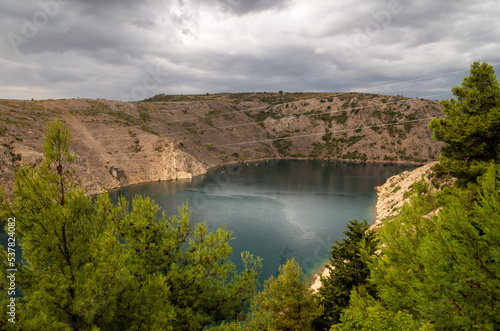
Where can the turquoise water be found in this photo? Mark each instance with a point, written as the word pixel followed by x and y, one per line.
pixel 276 209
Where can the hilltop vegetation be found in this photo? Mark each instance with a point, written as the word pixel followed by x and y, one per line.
pixel 264 97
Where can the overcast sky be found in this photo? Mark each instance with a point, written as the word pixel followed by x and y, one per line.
pixel 134 49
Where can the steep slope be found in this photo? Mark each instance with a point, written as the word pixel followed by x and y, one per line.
pixel 395 191
pixel 170 137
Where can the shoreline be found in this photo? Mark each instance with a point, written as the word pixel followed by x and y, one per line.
pixel 354 161
pixel 315 286
pixel 389 199
pixel 208 169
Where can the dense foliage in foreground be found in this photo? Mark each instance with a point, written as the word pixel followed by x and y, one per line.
pixel 91 266
pixel 471 128
pixel 435 272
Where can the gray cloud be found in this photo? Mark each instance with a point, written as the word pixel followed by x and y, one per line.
pixel 107 49
pixel 182 22
pixel 242 7
pixel 144 23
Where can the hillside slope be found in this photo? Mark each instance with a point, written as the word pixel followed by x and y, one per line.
pixel 170 137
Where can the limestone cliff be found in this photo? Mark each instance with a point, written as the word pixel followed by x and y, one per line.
pixel 391 195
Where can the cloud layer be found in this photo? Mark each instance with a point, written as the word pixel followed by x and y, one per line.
pixel 131 50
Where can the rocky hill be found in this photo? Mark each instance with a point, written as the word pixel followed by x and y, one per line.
pixel 168 137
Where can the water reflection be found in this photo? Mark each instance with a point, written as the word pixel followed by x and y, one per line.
pixel 277 210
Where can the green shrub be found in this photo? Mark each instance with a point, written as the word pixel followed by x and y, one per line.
pixel 342 118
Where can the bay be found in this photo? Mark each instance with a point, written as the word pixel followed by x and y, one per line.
pixel 276 209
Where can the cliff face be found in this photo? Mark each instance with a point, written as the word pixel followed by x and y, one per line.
pixel 391 195
pixel 180 137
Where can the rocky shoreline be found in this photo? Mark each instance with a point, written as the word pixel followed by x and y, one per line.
pixel 390 198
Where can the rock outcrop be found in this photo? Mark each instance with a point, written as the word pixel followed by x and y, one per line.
pixel 391 195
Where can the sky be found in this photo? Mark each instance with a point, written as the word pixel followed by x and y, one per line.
pixel 130 50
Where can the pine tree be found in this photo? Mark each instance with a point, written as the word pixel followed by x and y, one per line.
pixel 471 129
pixel 60 236
pixel 285 303
pixel 347 270
pixel 98 266
pixel 444 270
pixel 368 314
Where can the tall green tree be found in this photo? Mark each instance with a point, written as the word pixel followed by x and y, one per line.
pixel 471 128
pixel 347 271
pixel 285 303
pixel 58 233
pixel 98 266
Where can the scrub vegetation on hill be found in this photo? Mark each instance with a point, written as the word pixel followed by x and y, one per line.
pixel 91 265
pixel 181 136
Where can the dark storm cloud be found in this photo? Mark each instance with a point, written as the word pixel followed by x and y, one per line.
pixel 144 23
pixel 69 30
pixel 424 22
pixel 110 8
pixel 109 49
pixel 243 7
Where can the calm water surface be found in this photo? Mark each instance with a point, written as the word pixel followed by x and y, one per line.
pixel 276 209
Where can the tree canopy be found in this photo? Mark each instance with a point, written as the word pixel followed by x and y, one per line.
pixel 435 271
pixel 471 128
pixel 285 303
pixel 347 271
